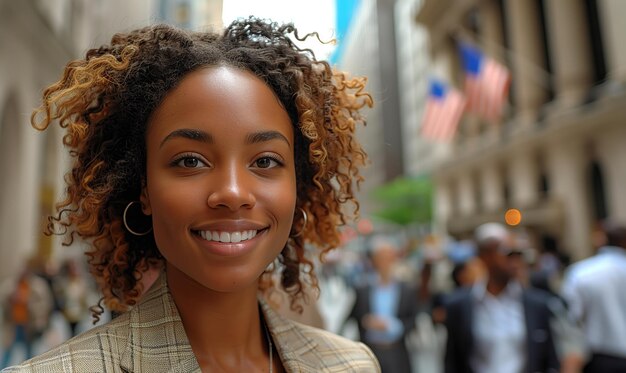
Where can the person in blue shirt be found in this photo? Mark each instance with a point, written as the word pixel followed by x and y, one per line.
pixel 385 309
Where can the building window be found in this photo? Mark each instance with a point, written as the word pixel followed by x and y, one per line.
pixel 506 39
pixel 543 181
pixel 506 190
pixel 544 185
pixel 598 196
pixel 478 195
pixel 597 48
pixel 547 63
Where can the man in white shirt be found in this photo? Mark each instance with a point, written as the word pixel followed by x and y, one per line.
pixel 498 326
pixel 595 289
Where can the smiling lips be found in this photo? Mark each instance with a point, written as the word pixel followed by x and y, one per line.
pixel 228 237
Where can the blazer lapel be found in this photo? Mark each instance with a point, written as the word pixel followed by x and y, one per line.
pixel 157 340
pixel 296 350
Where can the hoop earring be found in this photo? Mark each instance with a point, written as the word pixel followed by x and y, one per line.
pixel 126 223
pixel 305 218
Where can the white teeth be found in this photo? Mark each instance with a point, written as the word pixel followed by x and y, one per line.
pixel 235 237
pixel 224 237
pixel 228 237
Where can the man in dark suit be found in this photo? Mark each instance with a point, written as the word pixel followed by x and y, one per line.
pixel 497 325
pixel 385 310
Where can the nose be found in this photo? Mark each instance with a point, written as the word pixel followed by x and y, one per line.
pixel 231 190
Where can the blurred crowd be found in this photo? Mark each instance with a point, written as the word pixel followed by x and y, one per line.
pixel 490 303
pixel 46 304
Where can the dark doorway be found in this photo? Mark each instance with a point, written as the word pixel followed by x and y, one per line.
pixel 598 194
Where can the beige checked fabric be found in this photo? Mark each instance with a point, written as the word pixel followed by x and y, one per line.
pixel 151 338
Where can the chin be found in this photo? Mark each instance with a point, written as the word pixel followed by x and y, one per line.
pixel 229 282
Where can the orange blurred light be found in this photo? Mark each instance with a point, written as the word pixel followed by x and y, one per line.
pixel 513 217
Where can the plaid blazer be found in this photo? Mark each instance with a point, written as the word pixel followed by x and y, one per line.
pixel 151 338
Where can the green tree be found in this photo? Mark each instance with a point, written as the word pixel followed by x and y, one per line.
pixel 405 201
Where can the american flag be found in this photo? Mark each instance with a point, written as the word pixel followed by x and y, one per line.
pixel 444 108
pixel 486 83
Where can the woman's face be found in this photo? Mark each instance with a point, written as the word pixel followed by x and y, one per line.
pixel 221 185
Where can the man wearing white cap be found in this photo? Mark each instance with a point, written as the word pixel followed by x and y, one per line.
pixel 498 325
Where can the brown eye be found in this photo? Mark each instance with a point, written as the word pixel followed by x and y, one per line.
pixel 264 162
pixel 267 162
pixel 189 162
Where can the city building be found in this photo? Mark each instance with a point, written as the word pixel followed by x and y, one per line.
pixel 558 156
pixel 370 48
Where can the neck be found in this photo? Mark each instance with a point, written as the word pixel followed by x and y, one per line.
pixel 385 278
pixel 495 285
pixel 224 329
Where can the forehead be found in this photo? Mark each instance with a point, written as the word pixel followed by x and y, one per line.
pixel 220 97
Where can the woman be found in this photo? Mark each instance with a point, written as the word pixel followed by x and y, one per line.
pixel 216 157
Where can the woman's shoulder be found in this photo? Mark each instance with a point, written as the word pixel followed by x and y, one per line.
pixel 304 348
pixel 98 349
pixel 326 339
pixel 323 350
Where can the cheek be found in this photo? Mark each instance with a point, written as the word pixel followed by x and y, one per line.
pixel 280 202
pixel 170 200
pixel 172 205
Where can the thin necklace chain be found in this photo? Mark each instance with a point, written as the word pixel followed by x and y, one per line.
pixel 269 343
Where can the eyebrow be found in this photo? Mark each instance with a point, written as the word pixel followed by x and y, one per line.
pixel 263 136
pixel 198 135
pixel 190 134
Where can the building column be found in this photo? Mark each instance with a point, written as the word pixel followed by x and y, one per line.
pixel 567 168
pixel 610 148
pixel 492 191
pixel 442 206
pixel 390 104
pixel 569 43
pixel 492 39
pixel 10 124
pixel 613 31
pixel 443 63
pixel 20 221
pixel 467 201
pixel 529 80
pixel 524 180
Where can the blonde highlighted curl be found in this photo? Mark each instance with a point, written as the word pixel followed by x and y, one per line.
pixel 104 102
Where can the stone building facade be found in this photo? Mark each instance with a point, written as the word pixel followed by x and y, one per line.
pixel 559 154
pixel 37 39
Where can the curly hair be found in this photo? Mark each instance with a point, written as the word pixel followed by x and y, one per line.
pixel 104 102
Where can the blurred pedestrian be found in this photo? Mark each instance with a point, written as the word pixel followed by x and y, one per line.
pixel 467 273
pixel 73 294
pixel 464 274
pixel 385 309
pixel 595 291
pixel 27 313
pixel 497 325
